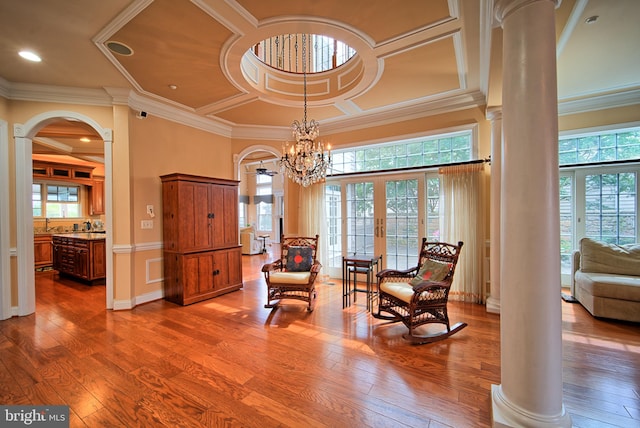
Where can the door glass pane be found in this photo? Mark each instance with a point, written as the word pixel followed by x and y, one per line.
pixel 401 223
pixel 360 220
pixel 433 208
pixel 610 213
pixel 333 200
pixel 566 223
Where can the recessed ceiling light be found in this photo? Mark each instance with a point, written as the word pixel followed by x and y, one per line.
pixel 31 56
pixel 85 140
pixel 174 87
pixel 119 48
pixel 591 19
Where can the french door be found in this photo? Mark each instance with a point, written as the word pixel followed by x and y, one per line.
pixel 599 203
pixel 373 216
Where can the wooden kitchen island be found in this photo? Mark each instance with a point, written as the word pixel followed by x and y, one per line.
pixel 80 255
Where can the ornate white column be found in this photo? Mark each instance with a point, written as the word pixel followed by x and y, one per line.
pixel 493 302
pixel 531 320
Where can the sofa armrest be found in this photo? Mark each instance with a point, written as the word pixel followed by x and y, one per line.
pixel 575 266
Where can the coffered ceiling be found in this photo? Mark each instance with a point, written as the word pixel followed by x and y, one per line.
pixel 414 58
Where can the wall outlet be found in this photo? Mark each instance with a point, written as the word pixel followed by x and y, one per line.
pixel 147 224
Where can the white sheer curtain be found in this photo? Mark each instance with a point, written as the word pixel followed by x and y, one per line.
pixel 462 199
pixel 313 220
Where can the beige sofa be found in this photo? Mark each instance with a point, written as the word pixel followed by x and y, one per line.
pixel 606 279
pixel 249 241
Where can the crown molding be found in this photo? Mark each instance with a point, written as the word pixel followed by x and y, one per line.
pixel 360 120
pixel 173 114
pixel 402 113
pixel 599 102
pixel 59 94
pixel 4 88
pixel 398 113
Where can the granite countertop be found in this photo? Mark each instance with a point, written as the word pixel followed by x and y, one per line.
pixel 89 236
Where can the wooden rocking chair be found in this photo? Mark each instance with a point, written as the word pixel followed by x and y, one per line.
pixel 293 276
pixel 419 295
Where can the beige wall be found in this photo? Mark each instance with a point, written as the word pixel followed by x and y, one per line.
pixel 620 115
pixel 159 147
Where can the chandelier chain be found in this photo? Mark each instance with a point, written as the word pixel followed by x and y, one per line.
pixel 304 161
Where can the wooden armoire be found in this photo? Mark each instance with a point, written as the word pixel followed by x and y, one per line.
pixel 202 254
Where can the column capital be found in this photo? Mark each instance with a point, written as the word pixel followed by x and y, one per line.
pixel 504 8
pixel 494 113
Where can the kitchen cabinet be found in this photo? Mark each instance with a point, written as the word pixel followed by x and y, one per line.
pixel 56 171
pixel 202 255
pixel 42 251
pixel 96 197
pixel 81 255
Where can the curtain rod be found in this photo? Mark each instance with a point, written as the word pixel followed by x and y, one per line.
pixel 410 169
pixel 602 163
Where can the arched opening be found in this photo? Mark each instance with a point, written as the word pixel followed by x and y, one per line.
pixel 261 190
pixel 24 135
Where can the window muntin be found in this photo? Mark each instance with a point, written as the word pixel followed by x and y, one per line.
pixel 433 207
pixel 56 201
pixel 264 216
pixel 333 204
pixel 610 202
pixel 426 151
pixel 402 228
pixel 567 207
pixel 598 201
pixel 36 199
pixel 264 210
pixel 242 214
pixel 360 219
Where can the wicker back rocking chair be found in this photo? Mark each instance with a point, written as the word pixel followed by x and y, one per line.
pixel 293 276
pixel 419 295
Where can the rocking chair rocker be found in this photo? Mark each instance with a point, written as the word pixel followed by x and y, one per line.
pixel 293 276
pixel 419 295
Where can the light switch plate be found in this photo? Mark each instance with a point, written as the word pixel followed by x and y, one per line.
pixel 147 224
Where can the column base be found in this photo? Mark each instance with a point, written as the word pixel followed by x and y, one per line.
pixel 508 415
pixel 493 305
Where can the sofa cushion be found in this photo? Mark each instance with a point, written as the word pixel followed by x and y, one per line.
pixel 612 286
pixel 599 257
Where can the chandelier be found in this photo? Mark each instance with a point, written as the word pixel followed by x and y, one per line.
pixel 304 160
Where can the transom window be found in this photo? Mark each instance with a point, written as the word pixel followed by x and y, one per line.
pixel 426 151
pixel 600 147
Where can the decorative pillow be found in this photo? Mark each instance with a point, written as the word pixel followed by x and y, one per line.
pixel 431 270
pixel 299 259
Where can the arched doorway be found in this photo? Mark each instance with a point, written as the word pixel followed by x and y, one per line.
pixel 24 134
pixel 245 165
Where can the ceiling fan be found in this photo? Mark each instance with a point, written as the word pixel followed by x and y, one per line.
pixel 261 170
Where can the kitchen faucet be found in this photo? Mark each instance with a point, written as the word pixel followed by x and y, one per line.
pixel 46 225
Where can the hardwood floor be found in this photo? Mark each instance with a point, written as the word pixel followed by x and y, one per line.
pixel 230 362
